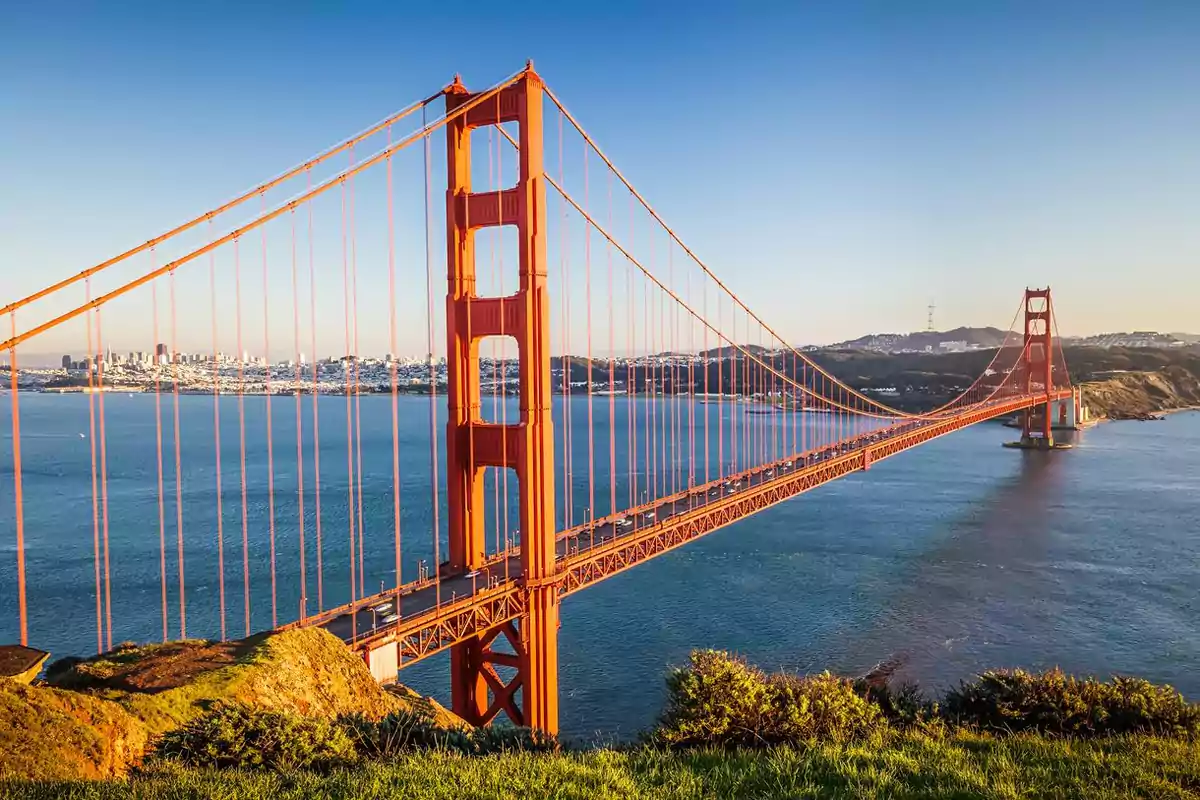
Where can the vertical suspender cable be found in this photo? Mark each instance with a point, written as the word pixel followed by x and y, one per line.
pixel 178 459
pixel 590 514
pixel 316 394
pixel 350 517
pixel 297 379
pixel 433 453
pixel 96 491
pixel 18 493
pixel 707 392
pixel 162 516
pixel 631 369
pixel 392 371
pixel 104 492
pixel 241 362
pixel 216 389
pixel 612 357
pixel 362 572
pixel 270 427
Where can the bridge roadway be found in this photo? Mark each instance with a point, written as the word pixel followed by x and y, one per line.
pixel 432 615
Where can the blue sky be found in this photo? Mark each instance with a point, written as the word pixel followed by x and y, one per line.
pixel 841 165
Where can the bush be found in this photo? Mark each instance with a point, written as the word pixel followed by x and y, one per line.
pixel 720 700
pixel 904 705
pixel 820 706
pixel 1054 703
pixel 498 739
pixel 236 736
pixel 398 732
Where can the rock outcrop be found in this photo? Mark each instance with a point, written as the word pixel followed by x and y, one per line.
pixel 95 717
pixel 1138 395
pixel 49 733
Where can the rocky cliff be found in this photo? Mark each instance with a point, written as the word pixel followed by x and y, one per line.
pixel 1137 395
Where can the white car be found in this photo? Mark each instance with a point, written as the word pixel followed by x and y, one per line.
pixel 390 618
pixel 472 574
pixel 381 608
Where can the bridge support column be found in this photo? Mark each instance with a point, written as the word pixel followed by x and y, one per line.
pixel 526 447
pixel 1038 361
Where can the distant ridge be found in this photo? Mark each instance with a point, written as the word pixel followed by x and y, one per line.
pixel 970 339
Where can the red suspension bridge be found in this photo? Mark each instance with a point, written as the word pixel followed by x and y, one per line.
pixel 670 410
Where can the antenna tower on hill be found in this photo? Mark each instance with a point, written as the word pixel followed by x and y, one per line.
pixel 929 324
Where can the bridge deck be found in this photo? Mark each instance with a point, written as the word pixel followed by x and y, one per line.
pixel 433 615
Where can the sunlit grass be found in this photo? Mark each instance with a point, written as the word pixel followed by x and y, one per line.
pixel 909 765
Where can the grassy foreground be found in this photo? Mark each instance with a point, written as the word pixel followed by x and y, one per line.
pixel 904 765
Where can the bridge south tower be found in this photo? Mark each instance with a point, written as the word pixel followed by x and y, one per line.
pixel 485 680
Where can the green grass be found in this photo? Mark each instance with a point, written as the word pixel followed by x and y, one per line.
pixel 908 765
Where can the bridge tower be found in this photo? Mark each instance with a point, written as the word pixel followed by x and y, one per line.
pixel 526 447
pixel 1038 361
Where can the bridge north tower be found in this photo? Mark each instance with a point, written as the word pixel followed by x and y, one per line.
pixel 1038 363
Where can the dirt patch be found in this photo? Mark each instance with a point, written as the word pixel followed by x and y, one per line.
pixel 174 664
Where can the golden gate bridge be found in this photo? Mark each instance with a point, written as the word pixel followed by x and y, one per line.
pixel 719 434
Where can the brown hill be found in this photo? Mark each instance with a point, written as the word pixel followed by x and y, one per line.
pixel 1134 395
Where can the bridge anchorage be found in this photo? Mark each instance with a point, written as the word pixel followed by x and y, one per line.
pixel 709 413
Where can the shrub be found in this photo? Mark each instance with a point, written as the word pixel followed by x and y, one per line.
pixel 904 705
pixel 498 739
pixel 399 732
pixel 1054 703
pixel 231 735
pixel 720 700
pixel 716 699
pixel 820 706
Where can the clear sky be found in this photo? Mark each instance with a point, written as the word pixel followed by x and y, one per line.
pixel 855 160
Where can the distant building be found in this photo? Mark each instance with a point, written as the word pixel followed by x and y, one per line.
pixel 66 362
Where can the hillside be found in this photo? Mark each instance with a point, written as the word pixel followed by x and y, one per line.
pixel 727 729
pixel 56 734
pixel 95 715
pixel 1136 395
pixel 918 341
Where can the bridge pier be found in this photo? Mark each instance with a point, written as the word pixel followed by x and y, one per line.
pixel 485 680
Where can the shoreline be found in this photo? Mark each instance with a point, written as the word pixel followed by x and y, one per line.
pixel 1160 413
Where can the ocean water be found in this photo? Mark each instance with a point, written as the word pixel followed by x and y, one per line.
pixel 955 557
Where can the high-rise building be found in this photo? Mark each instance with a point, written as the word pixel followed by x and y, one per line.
pixel 66 362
